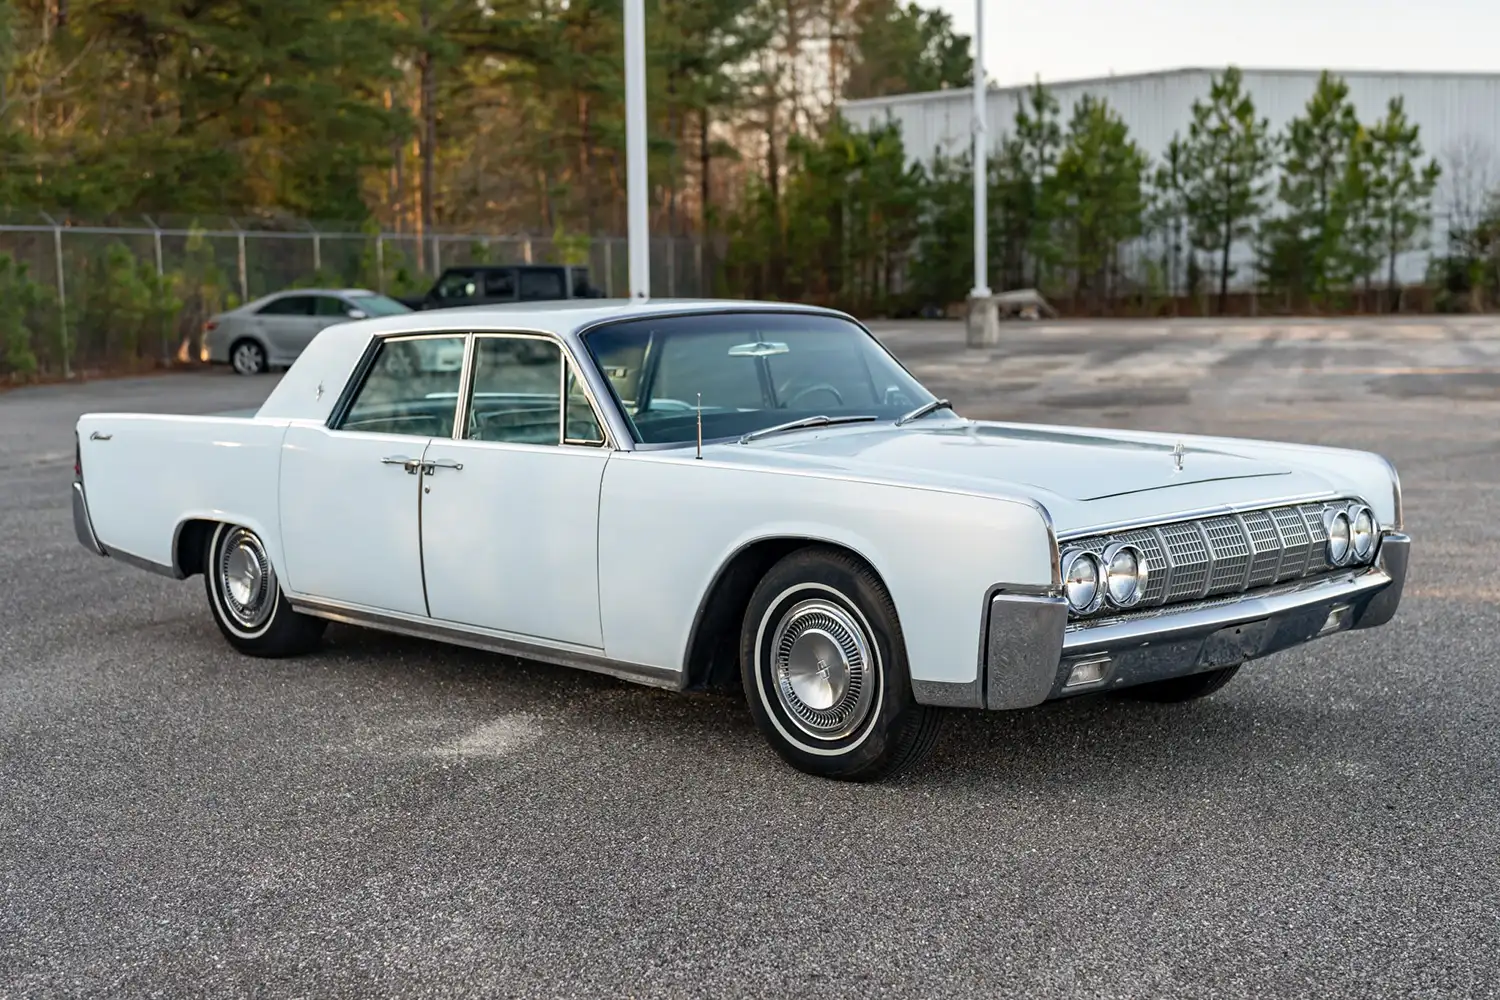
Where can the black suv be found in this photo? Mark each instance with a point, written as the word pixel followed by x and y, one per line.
pixel 485 284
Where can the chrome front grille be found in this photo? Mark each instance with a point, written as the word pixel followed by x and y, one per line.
pixel 1220 555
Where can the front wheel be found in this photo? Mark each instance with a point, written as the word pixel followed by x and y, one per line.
pixel 246 600
pixel 824 669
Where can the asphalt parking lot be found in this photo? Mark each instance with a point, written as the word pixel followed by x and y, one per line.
pixel 391 817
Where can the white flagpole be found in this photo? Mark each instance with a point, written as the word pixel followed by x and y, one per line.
pixel 635 148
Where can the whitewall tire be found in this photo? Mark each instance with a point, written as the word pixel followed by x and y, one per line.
pixel 824 669
pixel 246 598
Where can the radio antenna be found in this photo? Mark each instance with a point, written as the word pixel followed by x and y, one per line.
pixel 700 425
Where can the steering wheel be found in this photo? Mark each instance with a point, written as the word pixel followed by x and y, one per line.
pixel 819 387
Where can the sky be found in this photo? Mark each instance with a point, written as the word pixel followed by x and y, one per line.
pixel 1070 39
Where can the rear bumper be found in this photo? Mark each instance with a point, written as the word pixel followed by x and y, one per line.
pixel 82 525
pixel 1030 653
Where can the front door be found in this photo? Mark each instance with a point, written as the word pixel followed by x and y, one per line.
pixel 350 492
pixel 510 510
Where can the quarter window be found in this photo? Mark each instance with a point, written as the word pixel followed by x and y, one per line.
pixel 411 388
pixel 582 425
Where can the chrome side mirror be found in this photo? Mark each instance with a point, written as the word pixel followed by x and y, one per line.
pixel 356 314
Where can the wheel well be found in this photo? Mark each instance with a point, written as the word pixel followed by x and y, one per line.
pixel 192 539
pixel 713 655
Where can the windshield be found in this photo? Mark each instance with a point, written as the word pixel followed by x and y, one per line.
pixel 377 305
pixel 754 370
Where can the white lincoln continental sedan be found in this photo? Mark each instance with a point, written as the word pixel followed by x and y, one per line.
pixel 699 494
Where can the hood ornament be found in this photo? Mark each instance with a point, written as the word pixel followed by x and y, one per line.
pixel 1177 454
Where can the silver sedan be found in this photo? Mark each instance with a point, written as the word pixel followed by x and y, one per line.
pixel 271 331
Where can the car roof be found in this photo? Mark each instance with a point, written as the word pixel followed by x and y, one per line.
pixel 284 293
pixel 318 291
pixel 565 318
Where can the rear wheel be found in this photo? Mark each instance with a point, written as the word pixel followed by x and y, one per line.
pixel 247 357
pixel 824 669
pixel 1183 688
pixel 246 600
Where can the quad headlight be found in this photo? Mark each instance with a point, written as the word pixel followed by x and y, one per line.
pixel 1337 523
pixel 1118 577
pixel 1352 534
pixel 1362 532
pixel 1082 578
pixel 1125 575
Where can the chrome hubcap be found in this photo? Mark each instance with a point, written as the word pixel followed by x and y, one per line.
pixel 245 579
pixel 824 669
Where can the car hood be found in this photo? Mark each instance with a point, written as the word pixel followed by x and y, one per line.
pixel 1075 473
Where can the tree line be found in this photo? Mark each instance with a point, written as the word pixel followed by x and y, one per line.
pixel 1315 216
pixel 423 116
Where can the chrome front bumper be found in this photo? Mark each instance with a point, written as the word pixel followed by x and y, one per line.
pixel 1030 652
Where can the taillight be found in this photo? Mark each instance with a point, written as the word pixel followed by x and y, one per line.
pixel 77 456
pixel 211 325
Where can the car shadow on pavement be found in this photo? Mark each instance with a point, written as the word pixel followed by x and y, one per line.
pixel 1251 732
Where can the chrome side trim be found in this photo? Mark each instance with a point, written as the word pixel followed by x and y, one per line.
pixel 1022 646
pixel 1392 556
pixel 1046 516
pixel 83 525
pixel 491 641
pixel 150 566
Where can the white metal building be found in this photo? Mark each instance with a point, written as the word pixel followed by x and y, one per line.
pixel 1455 111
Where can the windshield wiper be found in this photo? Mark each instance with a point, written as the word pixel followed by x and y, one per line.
pixel 792 425
pixel 922 411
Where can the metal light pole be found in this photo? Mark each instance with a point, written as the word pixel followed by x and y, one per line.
pixel 983 328
pixel 981 164
pixel 635 148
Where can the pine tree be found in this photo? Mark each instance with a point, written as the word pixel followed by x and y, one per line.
pixel 1307 245
pixel 1399 190
pixel 1038 143
pixel 1098 194
pixel 1169 209
pixel 1228 152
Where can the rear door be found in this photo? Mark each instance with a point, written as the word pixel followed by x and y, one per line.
pixel 286 324
pixel 327 310
pixel 350 491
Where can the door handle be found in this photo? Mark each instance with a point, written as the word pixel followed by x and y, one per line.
pixel 441 463
pixel 411 465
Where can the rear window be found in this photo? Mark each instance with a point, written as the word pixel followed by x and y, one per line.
pixel 377 305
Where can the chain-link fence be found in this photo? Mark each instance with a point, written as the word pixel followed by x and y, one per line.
pixel 77 296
